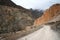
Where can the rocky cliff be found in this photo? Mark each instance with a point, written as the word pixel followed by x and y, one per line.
pixel 48 15
pixel 13 18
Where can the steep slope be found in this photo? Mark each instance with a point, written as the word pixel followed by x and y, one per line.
pixel 36 13
pixel 11 4
pixel 13 18
pixel 48 15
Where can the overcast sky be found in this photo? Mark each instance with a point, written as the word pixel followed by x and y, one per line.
pixel 36 4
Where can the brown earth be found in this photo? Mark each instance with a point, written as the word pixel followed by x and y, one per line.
pixel 14 19
pixel 48 15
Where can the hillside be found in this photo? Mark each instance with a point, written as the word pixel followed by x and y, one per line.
pixel 16 21
pixel 13 17
pixel 36 13
pixel 48 15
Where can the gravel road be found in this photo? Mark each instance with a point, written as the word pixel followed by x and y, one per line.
pixel 45 33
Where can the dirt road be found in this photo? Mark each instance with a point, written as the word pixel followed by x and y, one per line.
pixel 44 33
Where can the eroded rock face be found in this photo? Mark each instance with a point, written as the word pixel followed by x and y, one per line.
pixel 13 19
pixel 48 15
pixel 56 26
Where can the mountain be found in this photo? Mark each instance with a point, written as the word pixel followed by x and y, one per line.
pixel 11 4
pixel 36 13
pixel 13 17
pixel 50 15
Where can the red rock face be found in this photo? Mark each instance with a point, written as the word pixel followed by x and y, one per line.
pixel 48 15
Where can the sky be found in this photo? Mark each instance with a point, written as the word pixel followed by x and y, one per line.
pixel 36 4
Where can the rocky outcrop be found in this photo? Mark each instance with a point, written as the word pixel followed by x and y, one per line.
pixel 48 15
pixel 13 18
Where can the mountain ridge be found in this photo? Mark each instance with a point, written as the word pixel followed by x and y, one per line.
pixel 48 15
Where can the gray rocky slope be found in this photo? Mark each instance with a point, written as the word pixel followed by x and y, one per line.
pixel 13 17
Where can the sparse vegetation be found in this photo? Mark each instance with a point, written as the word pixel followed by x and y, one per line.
pixel 12 19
